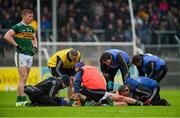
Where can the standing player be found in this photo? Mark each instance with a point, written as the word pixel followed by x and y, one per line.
pixel 22 37
pixel 111 61
pixel 151 65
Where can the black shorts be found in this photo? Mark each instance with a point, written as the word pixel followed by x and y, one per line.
pixel 94 94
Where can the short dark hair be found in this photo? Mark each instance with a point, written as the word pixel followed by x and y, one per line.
pixel 136 58
pixel 26 11
pixel 74 52
pixel 105 56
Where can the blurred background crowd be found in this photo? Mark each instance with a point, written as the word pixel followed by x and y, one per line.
pixel 157 24
pixel 98 20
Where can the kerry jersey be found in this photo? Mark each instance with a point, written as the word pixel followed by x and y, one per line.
pixel 23 37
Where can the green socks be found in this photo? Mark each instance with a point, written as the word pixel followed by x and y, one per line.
pixel 24 98
pixel 21 98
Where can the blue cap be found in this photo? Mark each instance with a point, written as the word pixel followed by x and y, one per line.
pixel 79 65
pixel 66 80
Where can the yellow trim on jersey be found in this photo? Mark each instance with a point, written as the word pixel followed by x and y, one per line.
pixel 24 35
pixel 63 56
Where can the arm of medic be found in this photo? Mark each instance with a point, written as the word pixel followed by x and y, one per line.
pixel 59 64
pixel 152 96
pixel 77 82
pixel 150 67
pixel 124 67
pixel 104 70
pixel 77 86
pixel 148 93
pixel 143 91
pixel 141 73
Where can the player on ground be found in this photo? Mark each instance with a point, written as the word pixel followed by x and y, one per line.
pixel 110 62
pixel 151 65
pixel 120 100
pixel 22 37
pixel 45 93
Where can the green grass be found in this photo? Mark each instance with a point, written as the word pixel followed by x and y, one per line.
pixel 8 109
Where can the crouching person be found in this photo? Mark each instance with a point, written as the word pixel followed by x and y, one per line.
pixel 45 92
pixel 89 82
pixel 143 89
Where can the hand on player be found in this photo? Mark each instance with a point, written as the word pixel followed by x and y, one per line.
pixel 148 102
pixel 76 103
pixel 76 100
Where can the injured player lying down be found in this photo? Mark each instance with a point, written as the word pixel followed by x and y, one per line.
pixel 120 100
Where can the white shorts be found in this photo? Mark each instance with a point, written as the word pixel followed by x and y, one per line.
pixel 23 60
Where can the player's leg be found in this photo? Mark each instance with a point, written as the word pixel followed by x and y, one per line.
pixel 23 62
pixel 46 100
pixel 95 97
pixel 29 60
pixel 32 92
pixel 23 72
pixel 159 75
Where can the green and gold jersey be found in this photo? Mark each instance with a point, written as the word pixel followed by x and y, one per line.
pixel 23 37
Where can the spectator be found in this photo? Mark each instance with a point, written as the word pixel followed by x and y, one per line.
pixel 97 23
pixel 45 27
pixel 89 35
pixel 110 33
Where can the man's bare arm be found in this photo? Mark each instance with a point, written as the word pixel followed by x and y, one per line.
pixel 9 38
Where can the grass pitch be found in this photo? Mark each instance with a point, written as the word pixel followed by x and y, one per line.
pixel 8 109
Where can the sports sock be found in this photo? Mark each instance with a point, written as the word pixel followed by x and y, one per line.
pixel 19 99
pixel 24 98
